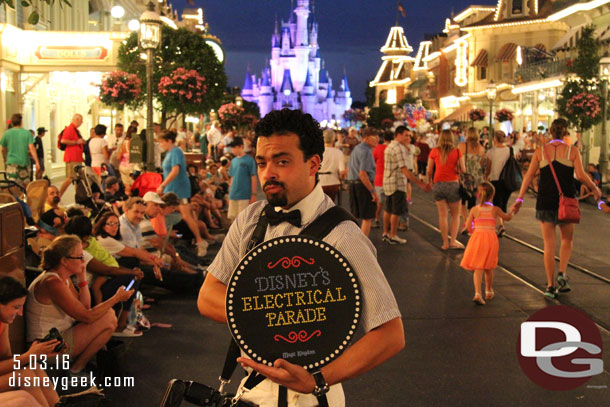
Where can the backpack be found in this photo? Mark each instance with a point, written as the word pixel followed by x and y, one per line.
pixel 511 173
pixel 61 146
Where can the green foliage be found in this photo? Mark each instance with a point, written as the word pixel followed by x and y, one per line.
pixel 251 108
pixel 34 17
pixel 369 93
pixel 179 49
pixel 378 114
pixel 583 80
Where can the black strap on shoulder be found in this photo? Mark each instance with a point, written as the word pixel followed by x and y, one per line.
pixel 326 222
pixel 318 229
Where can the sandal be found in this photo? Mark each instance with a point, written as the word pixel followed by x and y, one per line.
pixel 477 299
pixel 458 246
pixel 489 295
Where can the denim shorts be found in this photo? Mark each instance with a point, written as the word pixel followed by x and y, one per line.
pixel 446 191
pixel 549 216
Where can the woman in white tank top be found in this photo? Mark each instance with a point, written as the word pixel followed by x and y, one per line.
pixel 54 301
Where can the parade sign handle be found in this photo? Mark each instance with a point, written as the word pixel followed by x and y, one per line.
pixel 295 298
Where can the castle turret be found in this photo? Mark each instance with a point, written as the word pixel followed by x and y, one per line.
pixel 308 96
pixel 247 91
pixel 302 13
pixel 265 100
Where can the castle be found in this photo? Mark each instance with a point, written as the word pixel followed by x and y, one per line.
pixel 295 77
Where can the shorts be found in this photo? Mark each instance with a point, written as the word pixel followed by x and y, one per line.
pixel 447 191
pixel 396 204
pixel 70 172
pixel 380 194
pixel 125 171
pixel 361 201
pixel 549 216
pixel 19 173
pixel 331 190
pixel 422 166
pixel 235 207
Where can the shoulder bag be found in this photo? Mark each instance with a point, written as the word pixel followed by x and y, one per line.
pixel 569 211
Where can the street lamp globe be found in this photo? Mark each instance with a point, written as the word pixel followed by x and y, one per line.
pixel 239 100
pixel 604 68
pixel 150 28
pixel 117 12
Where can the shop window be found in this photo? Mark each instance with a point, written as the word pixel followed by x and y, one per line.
pixel 481 73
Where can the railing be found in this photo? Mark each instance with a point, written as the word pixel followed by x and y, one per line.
pixel 541 70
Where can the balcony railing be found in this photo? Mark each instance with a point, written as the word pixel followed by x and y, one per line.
pixel 541 70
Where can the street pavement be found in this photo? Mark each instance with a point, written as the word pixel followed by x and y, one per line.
pixel 456 353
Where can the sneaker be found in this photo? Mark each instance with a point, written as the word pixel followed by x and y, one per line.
pixel 387 239
pixel 128 332
pixel 551 292
pixel 397 240
pixel 202 248
pixel 562 281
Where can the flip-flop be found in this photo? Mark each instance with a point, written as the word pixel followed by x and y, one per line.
pixel 455 247
pixel 444 248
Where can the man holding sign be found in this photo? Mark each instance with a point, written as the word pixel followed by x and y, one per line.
pixel 289 150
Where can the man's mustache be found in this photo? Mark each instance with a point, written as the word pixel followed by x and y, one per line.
pixel 274 183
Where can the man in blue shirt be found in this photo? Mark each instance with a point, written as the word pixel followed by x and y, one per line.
pixel 243 179
pixel 360 176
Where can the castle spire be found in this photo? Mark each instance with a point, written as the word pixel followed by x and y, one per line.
pixel 287 83
pixel 248 79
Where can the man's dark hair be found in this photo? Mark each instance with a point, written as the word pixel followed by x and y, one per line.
pixel 282 122
pixel 118 125
pixel 79 226
pixel 72 212
pixel 388 136
pixel 400 130
pixel 16 119
pixel 11 289
pixel 100 130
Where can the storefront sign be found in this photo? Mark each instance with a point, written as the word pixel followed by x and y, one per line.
pixel 295 298
pixel 72 53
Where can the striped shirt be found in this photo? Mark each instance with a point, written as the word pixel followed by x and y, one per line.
pixel 379 303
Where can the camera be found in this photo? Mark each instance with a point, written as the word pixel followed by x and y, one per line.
pixel 197 394
pixel 52 335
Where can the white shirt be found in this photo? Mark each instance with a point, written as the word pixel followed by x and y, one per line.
pixel 214 136
pixel 112 245
pixel 96 148
pixel 498 157
pixel 333 163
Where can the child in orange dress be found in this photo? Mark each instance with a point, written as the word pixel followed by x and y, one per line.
pixel 481 254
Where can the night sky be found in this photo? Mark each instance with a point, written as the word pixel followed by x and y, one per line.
pixel 351 32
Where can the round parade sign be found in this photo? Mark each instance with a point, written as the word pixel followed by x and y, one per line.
pixel 296 298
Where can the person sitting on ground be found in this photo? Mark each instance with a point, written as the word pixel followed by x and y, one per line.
pixel 114 196
pixel 122 238
pixel 54 302
pixel 103 286
pixel 596 177
pixel 12 299
pixel 53 199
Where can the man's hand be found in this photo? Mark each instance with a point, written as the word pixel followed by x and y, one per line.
pixel 137 273
pixel 375 197
pixel 160 190
pixel 283 373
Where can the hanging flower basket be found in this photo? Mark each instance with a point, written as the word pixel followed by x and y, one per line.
pixel 183 86
pixel 477 114
pixel 584 109
pixel 120 88
pixel 503 115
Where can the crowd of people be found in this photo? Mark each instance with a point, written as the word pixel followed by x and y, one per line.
pixel 156 227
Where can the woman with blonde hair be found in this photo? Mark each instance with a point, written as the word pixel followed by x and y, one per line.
pixel 474 160
pixel 54 302
pixel 444 162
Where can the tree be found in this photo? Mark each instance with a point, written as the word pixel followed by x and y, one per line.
pixel 34 16
pixel 378 114
pixel 179 48
pixel 580 96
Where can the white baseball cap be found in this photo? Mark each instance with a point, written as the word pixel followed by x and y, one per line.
pixel 153 197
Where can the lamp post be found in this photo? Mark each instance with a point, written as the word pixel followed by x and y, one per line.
pixel 149 37
pixel 491 96
pixel 604 74
pixel 239 101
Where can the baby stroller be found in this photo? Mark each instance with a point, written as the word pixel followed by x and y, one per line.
pixel 88 189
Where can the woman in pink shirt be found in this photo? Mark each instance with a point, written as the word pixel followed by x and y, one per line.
pixel 443 162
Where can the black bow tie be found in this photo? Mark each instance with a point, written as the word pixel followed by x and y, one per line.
pixel 275 218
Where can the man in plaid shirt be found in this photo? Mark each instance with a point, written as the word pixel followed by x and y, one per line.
pixel 395 174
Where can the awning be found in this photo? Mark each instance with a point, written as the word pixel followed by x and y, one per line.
pixel 507 52
pixel 459 115
pixel 481 59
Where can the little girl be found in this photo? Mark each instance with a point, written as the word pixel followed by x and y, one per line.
pixel 481 254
